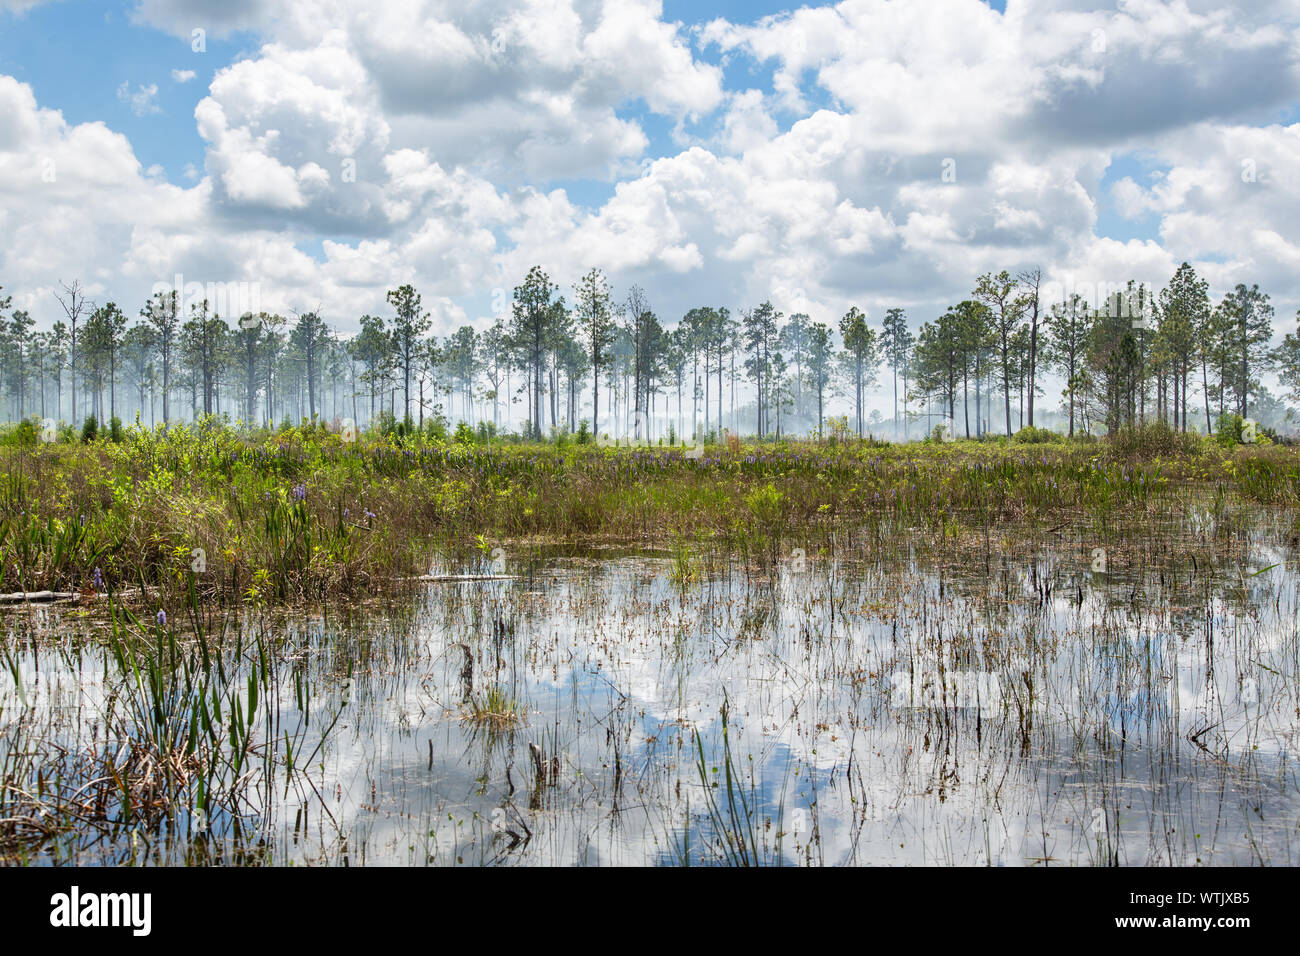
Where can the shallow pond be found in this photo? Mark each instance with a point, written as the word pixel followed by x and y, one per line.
pixel 903 709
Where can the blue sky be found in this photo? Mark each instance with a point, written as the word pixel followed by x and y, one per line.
pixel 76 55
pixel 830 202
pixel 77 62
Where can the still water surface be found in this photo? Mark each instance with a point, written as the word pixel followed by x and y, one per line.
pixel 900 711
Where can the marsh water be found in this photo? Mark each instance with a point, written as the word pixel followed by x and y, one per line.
pixel 1040 704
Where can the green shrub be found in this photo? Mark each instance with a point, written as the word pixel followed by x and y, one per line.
pixel 25 434
pixel 435 427
pixel 1227 429
pixel 937 434
pixel 1230 429
pixel 1030 435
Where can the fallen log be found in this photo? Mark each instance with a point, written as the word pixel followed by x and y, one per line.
pixel 38 597
pixel 436 578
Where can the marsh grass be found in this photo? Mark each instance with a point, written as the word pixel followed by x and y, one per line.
pixel 189 735
pixel 298 515
pixel 1103 707
pixel 730 802
pixel 495 706
pixel 835 598
pixel 685 567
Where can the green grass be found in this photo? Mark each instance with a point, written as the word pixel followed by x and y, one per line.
pixel 194 738
pixel 495 706
pixel 730 807
pixel 298 514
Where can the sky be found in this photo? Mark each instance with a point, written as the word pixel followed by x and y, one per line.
pixel 312 154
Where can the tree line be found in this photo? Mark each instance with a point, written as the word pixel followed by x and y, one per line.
pixel 1137 356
